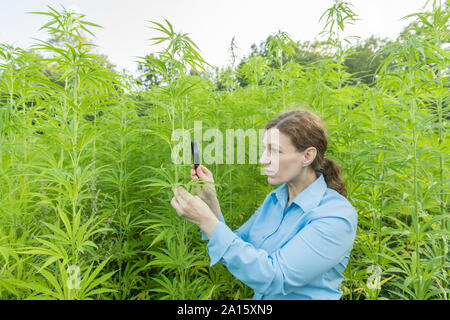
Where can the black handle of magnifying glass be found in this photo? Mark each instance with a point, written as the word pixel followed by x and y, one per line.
pixel 195 157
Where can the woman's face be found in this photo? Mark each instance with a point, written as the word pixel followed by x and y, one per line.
pixel 281 160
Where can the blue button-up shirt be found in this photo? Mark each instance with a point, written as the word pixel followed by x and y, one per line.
pixel 298 252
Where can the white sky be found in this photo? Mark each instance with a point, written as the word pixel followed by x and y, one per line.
pixel 210 24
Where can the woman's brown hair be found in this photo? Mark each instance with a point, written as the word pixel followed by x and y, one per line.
pixel 305 129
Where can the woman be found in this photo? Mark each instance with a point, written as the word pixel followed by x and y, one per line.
pixel 297 243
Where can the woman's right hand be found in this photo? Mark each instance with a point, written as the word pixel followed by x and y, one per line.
pixel 208 191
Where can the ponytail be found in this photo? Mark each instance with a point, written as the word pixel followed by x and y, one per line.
pixel 332 174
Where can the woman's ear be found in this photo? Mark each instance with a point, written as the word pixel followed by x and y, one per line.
pixel 309 156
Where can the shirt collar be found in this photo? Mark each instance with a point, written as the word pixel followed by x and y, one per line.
pixel 308 198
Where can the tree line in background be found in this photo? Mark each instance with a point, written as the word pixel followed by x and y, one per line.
pixel 362 63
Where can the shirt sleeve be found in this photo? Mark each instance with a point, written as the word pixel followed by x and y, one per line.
pixel 204 236
pixel 317 247
pixel 243 231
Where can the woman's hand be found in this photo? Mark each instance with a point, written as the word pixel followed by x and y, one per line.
pixel 194 209
pixel 208 191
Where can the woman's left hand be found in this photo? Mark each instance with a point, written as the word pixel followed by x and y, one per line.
pixel 194 209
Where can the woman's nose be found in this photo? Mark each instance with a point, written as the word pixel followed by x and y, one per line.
pixel 264 160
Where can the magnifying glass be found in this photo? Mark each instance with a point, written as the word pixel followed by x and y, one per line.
pixel 195 157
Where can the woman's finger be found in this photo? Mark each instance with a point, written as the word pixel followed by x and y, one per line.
pixel 183 193
pixel 174 202
pixel 195 172
pixel 203 172
pixel 182 196
pixel 206 172
pixel 182 205
pixel 175 205
pixel 178 197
